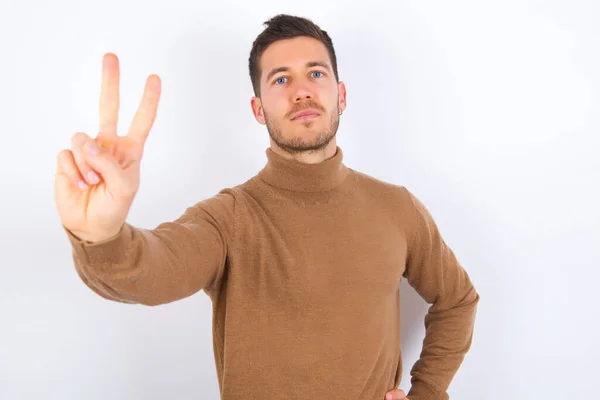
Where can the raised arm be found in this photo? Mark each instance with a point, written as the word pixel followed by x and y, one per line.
pixel 95 184
pixel 164 264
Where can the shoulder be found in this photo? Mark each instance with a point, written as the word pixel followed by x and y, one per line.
pixel 226 200
pixel 397 199
pixel 396 193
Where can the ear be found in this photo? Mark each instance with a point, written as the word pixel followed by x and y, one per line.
pixel 257 110
pixel 342 96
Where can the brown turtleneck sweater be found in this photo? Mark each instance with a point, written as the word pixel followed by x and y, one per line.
pixel 303 264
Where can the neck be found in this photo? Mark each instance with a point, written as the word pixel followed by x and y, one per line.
pixel 309 156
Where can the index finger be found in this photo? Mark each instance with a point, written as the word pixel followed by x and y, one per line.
pixel 146 114
pixel 109 95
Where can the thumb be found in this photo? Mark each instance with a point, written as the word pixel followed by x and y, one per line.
pixel 106 165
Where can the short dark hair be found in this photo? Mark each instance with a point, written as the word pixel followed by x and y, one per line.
pixel 284 26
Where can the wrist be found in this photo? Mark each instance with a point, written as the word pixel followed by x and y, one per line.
pixel 96 238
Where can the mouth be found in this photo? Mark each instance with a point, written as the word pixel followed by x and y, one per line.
pixel 305 114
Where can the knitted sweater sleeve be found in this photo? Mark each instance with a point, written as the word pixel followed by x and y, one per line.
pixel 433 270
pixel 155 266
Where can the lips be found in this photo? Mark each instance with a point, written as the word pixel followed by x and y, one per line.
pixel 305 114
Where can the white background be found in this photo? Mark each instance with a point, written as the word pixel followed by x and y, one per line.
pixel 487 111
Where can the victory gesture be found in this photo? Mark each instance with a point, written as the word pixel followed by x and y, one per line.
pixel 97 178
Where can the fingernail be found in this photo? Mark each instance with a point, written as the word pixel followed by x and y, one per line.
pixel 92 148
pixel 92 177
pixel 82 185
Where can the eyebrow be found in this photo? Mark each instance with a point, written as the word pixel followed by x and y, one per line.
pixel 309 64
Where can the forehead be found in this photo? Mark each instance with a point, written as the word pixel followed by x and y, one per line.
pixel 293 53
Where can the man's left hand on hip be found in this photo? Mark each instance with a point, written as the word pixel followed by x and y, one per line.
pixel 396 394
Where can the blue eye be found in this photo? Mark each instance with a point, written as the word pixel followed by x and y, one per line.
pixel 317 72
pixel 279 80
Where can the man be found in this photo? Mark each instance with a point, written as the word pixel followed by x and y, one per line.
pixel 302 262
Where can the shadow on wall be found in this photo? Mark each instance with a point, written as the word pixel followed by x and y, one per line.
pixel 412 329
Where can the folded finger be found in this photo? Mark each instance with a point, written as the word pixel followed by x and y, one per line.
pixel 78 147
pixel 107 166
pixel 67 167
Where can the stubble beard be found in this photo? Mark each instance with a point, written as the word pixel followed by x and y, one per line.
pixel 298 144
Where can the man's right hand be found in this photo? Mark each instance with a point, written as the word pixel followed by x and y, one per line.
pixel 98 178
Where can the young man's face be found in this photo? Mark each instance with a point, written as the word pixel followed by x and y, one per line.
pixel 297 76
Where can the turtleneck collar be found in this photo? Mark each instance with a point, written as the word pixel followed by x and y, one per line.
pixel 296 176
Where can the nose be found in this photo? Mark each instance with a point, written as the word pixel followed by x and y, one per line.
pixel 302 93
pixel 303 97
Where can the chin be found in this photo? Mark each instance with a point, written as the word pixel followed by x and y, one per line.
pixel 309 137
pixel 307 141
pixel 301 136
